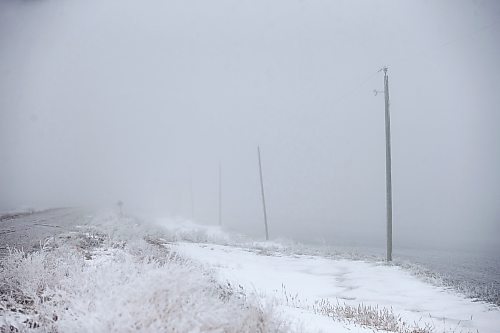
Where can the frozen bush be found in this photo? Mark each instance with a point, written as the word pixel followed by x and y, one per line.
pixel 136 287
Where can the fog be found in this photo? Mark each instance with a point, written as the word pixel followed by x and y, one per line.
pixel 141 101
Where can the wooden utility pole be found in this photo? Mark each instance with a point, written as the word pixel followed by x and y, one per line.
pixel 220 194
pixel 262 191
pixel 388 177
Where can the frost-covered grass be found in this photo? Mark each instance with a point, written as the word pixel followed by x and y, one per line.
pixel 470 289
pixel 174 230
pixel 106 279
pixel 378 318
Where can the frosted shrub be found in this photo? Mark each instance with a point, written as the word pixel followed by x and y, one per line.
pixel 134 287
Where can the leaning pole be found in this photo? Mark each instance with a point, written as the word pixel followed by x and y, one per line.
pixel 262 192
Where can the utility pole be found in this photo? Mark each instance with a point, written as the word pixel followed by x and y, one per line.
pixel 220 194
pixel 388 176
pixel 262 191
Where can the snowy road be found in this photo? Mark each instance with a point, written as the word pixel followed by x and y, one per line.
pixel 28 230
pixel 312 278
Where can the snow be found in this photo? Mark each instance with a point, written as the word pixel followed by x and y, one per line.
pixel 307 279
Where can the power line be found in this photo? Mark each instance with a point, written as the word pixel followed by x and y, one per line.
pixel 432 50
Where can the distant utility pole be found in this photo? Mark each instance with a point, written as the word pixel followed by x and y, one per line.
pixel 220 194
pixel 388 176
pixel 262 191
pixel 191 196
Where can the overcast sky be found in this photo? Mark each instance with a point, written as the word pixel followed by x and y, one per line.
pixel 141 100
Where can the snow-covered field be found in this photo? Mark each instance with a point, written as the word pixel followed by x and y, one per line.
pixel 121 274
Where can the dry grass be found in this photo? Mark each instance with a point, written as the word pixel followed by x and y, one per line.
pixel 382 319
